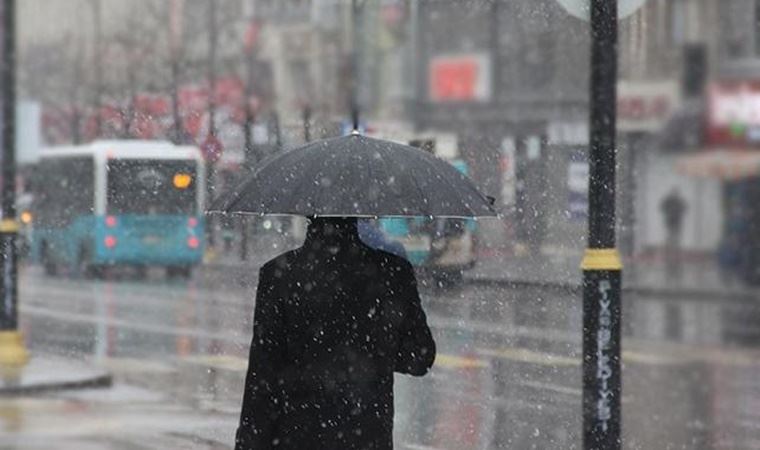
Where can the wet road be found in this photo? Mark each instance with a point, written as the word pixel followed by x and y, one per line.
pixel 507 375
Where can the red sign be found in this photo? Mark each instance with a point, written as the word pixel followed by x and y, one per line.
pixel 211 149
pixel 733 116
pixel 251 36
pixel 460 78
pixel 645 106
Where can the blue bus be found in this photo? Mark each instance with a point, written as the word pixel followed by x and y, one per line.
pixel 442 246
pixel 118 203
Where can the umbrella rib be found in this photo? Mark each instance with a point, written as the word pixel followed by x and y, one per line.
pixel 308 183
pixel 475 192
pixel 242 190
pixel 338 175
pixel 446 181
pixel 404 172
pixel 382 176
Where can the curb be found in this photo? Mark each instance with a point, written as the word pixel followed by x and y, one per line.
pixel 52 374
pixel 738 295
pixel 228 275
pixel 246 275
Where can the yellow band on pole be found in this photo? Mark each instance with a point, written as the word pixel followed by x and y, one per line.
pixel 8 226
pixel 601 259
pixel 13 353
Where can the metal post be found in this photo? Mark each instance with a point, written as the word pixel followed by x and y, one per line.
pixel 277 130
pixel 12 350
pixel 98 65
pixel 354 101
pixel 307 123
pixel 251 154
pixel 210 165
pixel 415 87
pixel 244 237
pixel 212 44
pixel 602 268
pixel 175 39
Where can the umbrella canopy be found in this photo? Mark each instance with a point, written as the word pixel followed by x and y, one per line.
pixel 356 176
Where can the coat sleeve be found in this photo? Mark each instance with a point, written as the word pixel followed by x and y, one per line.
pixel 260 398
pixel 416 351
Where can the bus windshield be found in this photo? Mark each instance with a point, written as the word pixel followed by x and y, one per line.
pixel 149 186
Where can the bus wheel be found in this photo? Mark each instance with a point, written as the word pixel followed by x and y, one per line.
pixel 47 261
pixel 83 267
pixel 179 272
pixel 95 271
pixel 141 272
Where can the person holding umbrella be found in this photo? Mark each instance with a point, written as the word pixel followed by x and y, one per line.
pixel 335 318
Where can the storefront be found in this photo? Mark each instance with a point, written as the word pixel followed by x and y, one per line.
pixel 730 160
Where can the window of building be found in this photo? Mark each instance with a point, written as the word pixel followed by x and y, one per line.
pixel 677 21
pixel 756 27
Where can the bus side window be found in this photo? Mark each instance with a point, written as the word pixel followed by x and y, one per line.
pixel 65 190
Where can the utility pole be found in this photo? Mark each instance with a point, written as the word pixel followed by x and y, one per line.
pixel 212 44
pixel 175 39
pixel 306 117
pixel 97 56
pixel 251 156
pixel 250 43
pixel 602 268
pixel 277 130
pixel 13 354
pixel 212 139
pixel 354 100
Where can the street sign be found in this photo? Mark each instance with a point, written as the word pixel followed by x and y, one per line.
pixel 582 8
pixel 211 149
pixel 27 132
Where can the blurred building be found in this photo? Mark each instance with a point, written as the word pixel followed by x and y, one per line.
pixel 511 79
pixel 508 78
pixel 702 60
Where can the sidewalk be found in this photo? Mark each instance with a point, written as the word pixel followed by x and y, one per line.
pixel 695 278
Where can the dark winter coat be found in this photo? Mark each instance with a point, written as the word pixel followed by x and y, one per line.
pixel 333 320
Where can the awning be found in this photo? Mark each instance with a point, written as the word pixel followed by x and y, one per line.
pixel 725 164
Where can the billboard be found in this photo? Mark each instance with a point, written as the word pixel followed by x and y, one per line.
pixel 460 78
pixel 733 113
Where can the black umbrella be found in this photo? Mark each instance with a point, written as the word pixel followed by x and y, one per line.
pixel 356 176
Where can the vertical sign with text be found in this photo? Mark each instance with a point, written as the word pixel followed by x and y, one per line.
pixel 508 172
pixel 602 373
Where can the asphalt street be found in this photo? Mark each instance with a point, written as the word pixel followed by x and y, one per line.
pixel 507 375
